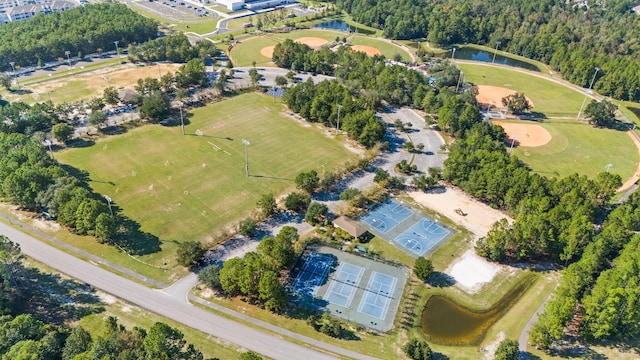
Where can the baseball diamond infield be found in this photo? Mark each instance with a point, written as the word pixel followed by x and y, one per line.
pixel 528 135
pixel 313 42
pixel 493 95
pixel 370 51
pixel 267 51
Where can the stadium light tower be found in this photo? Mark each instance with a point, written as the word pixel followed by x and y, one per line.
pixel 495 51
pixel 588 92
pixel 68 53
pixel 246 157
pixel 453 54
pixel 116 42
pixel 181 104
pixel 459 80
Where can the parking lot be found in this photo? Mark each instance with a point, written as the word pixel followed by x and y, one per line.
pixel 175 10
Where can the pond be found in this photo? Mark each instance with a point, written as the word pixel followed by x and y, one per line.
pixel 468 53
pixel 447 322
pixel 341 26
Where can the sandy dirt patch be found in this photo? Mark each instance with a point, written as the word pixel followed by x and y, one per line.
pixel 125 76
pixel 471 272
pixel 479 216
pixel 528 135
pixel 313 42
pixel 492 95
pixel 267 51
pixel 370 51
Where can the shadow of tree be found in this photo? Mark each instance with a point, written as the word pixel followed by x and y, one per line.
pixel 53 299
pixel 131 238
pixel 440 279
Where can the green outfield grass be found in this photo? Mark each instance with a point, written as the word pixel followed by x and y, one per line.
pixel 248 50
pixel 182 187
pixel 578 147
pixel 550 98
pixel 387 49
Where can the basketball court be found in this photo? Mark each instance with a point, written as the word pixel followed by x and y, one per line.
pixel 412 232
pixel 387 216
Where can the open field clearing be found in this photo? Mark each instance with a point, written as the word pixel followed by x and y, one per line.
pixel 186 187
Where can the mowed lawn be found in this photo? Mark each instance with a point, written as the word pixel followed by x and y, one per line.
pixel 183 188
pixel 578 147
pixel 549 97
pixel 387 49
pixel 248 51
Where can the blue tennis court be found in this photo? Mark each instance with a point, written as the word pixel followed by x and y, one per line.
pixel 387 216
pixel 422 236
pixel 313 274
pixel 343 286
pixel 377 295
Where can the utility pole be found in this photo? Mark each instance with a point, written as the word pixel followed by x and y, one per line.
pixel 338 124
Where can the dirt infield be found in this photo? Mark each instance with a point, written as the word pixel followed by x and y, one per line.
pixel 370 51
pixel 529 135
pixel 267 51
pixel 493 95
pixel 313 42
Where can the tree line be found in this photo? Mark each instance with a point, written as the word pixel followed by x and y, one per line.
pixel 574 39
pixel 86 29
pixel 599 291
pixel 174 48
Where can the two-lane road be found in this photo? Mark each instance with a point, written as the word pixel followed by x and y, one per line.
pixel 160 302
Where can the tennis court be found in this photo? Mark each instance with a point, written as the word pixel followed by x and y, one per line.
pixel 344 284
pixel 313 274
pixel 387 216
pixel 378 295
pixel 423 236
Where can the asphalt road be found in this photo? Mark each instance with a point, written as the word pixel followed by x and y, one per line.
pixel 160 302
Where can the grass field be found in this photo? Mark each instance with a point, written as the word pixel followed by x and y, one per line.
pixel 578 147
pixel 182 187
pixel 248 50
pixel 74 87
pixel 387 49
pixel 550 98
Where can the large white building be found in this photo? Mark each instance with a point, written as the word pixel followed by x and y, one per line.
pixel 17 10
pixel 235 5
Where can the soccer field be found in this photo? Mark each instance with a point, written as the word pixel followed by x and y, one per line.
pixel 186 187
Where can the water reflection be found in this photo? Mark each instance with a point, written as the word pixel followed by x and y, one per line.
pixel 467 53
pixel 447 322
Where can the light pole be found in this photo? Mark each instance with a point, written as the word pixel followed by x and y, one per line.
pixel 588 92
pixel 106 197
pixel 608 167
pixel 495 51
pixel 459 81
pixel 68 54
pixel 338 124
pixel 181 118
pixel 453 54
pixel 246 157
pixel 13 67
pixel 107 79
pixel 515 137
pixel 116 42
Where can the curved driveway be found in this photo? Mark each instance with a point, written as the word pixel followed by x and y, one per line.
pixel 166 303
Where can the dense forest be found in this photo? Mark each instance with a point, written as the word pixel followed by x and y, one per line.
pixel 86 29
pixel 572 38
